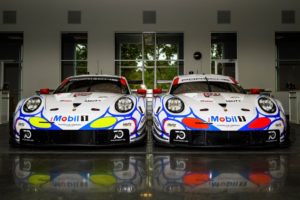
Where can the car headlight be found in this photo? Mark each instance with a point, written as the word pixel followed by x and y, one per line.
pixel 267 105
pixel 32 104
pixel 175 105
pixel 124 104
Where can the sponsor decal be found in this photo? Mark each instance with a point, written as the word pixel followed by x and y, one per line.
pixel 127 124
pixel 229 125
pixel 171 125
pixel 209 94
pixel 95 79
pixel 233 101
pixel 82 94
pixel 180 136
pixel 65 100
pixel 205 79
pixel 27 136
pixel 272 136
pixel 70 184
pixel 206 101
pixel 278 125
pixel 229 184
pixel 118 136
pixel 92 100
pixel 21 124
pixel 227 119
pixel 68 118
pixel 69 125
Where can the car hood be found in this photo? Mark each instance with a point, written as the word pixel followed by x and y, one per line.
pixel 230 99
pixel 80 102
pixel 226 111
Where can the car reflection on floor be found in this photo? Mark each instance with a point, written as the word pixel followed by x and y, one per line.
pixel 142 176
pixel 214 174
pixel 112 174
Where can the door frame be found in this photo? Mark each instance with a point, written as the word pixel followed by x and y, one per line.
pixel 217 61
pixel 2 67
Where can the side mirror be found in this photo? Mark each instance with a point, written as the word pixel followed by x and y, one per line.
pixel 142 92
pixel 255 91
pixel 157 91
pixel 45 91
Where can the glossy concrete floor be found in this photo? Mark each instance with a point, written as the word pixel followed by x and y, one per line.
pixel 149 172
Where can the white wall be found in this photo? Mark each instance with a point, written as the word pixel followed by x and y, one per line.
pixel 42 22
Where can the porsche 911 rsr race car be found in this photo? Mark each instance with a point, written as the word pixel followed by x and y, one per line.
pixel 214 111
pixel 83 110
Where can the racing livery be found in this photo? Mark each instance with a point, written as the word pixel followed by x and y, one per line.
pixel 83 110
pixel 213 110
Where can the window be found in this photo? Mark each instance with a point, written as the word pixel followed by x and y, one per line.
pixel 224 54
pixel 288 60
pixel 73 54
pixel 149 59
pixel 9 17
pixel 11 60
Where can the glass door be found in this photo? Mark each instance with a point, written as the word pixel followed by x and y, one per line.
pixel 149 60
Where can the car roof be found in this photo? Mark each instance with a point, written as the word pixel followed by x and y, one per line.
pixel 204 77
pixel 94 75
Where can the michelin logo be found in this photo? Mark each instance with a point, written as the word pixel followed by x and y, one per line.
pixel 227 119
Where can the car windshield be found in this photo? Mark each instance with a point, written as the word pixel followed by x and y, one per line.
pixel 92 84
pixel 207 86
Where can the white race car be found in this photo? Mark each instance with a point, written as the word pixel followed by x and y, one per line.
pixel 83 110
pixel 213 110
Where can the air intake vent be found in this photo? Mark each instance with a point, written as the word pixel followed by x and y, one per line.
pixel 74 17
pixel 9 17
pixel 288 17
pixel 149 17
pixel 224 17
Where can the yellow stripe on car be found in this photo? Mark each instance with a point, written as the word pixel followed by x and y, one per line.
pixel 104 180
pixel 39 122
pixel 104 122
pixel 38 179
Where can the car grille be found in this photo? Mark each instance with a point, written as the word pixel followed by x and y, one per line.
pixel 225 138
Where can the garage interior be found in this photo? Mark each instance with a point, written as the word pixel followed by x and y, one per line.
pixel 149 42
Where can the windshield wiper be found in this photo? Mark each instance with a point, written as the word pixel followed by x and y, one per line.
pixel 209 88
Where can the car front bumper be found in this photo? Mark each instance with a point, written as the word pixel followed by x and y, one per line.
pixel 29 137
pixel 193 138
